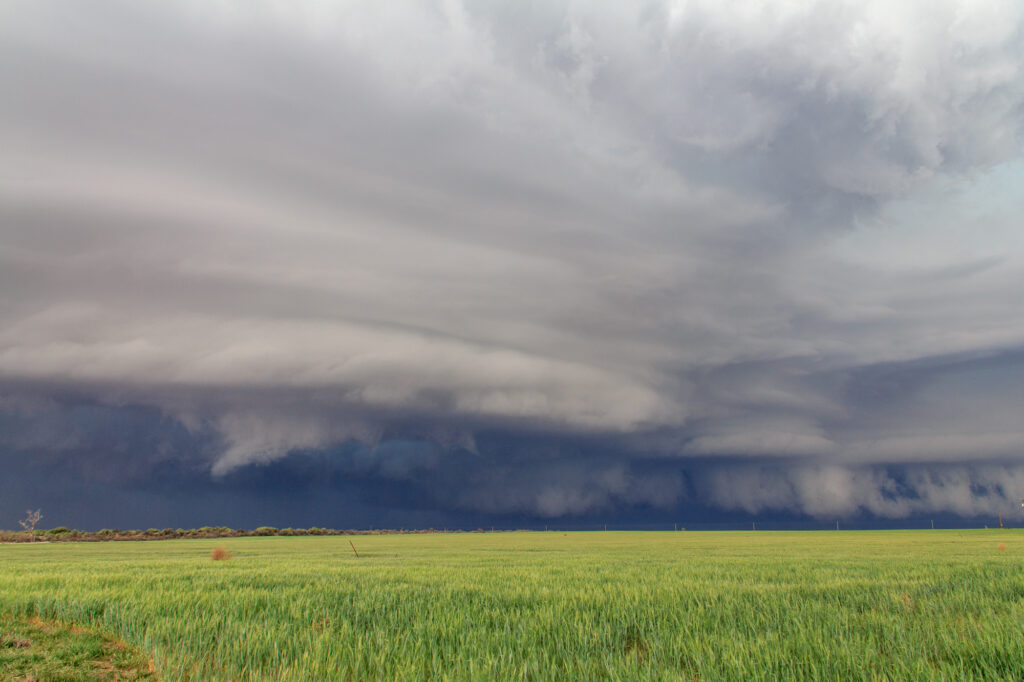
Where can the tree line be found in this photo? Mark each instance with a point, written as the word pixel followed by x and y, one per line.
pixel 62 534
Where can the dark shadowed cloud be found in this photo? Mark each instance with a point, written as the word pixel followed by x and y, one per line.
pixel 493 258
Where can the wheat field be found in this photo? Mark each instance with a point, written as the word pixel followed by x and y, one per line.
pixel 860 605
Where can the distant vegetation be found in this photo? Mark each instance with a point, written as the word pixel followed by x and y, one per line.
pixel 870 605
pixel 62 534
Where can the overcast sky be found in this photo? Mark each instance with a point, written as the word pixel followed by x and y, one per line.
pixel 487 259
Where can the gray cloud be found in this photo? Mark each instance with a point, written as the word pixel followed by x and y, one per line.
pixel 558 485
pixel 695 230
pixel 831 490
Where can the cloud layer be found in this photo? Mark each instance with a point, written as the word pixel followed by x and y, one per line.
pixel 749 255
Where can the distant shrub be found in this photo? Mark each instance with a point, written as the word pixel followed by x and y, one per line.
pixel 265 530
pixel 220 554
pixel 152 532
pixel 59 530
pixel 106 533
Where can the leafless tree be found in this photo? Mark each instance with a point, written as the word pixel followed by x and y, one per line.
pixel 32 519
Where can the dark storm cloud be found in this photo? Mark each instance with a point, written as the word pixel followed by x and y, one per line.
pixel 772 238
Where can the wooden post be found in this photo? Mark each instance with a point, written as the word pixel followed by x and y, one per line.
pixel 353 548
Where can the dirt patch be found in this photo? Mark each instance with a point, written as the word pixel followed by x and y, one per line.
pixel 34 649
pixel 14 642
pixel 41 625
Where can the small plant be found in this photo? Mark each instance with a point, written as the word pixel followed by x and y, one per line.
pixel 220 554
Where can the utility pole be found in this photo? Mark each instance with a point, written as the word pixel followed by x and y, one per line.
pixel 1000 519
pixel 753 525
pixel 837 524
pixel 933 524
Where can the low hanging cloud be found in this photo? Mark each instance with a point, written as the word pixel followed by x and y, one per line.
pixel 691 232
pixel 829 490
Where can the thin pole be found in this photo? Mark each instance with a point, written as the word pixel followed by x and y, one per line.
pixel 353 548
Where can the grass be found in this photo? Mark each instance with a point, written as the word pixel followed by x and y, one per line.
pixel 546 606
pixel 32 649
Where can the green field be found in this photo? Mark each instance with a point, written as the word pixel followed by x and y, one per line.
pixel 546 606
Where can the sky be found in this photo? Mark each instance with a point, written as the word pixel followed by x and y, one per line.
pixel 473 263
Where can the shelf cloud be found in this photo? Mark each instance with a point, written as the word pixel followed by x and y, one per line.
pixel 546 260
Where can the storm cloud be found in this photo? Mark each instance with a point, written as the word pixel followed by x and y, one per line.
pixel 500 258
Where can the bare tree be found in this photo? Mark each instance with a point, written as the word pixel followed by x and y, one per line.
pixel 32 519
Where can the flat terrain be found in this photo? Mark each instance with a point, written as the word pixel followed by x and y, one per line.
pixel 543 606
pixel 32 649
